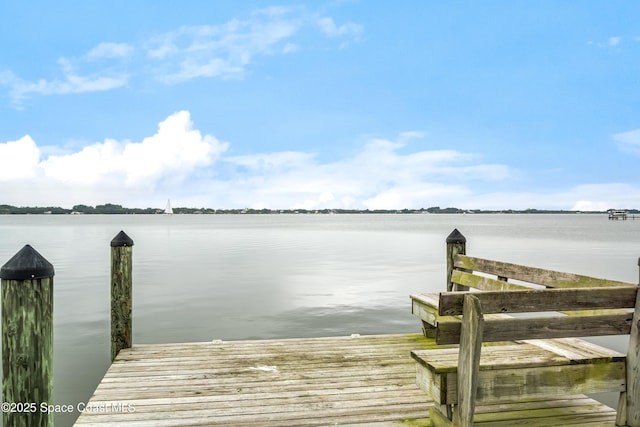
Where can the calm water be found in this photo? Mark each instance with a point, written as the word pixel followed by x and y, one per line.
pixel 198 278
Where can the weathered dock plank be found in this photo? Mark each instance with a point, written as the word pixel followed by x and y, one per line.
pixel 348 381
pixel 321 381
pixel 569 411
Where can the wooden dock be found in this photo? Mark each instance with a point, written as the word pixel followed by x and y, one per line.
pixel 618 215
pixel 368 380
pixel 319 381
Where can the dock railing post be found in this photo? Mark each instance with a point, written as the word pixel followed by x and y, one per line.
pixel 121 292
pixel 628 411
pixel 456 244
pixel 630 400
pixel 27 339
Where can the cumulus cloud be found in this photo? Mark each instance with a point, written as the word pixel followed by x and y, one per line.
pixel 19 159
pixel 601 197
pixel 585 197
pixel 192 168
pixel 180 162
pixel 376 176
pixel 417 195
pixel 175 150
pixel 383 175
pixel 110 168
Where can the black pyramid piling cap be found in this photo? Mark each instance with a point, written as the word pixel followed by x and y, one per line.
pixel 26 264
pixel 121 239
pixel 456 237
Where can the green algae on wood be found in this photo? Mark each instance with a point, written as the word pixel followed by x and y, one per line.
pixel 121 293
pixel 27 339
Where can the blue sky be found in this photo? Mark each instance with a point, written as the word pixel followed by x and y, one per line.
pixel 323 104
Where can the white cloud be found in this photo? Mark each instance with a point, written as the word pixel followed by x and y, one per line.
pixel 7 78
pixel 631 137
pixel 18 159
pixel 178 161
pixel 628 141
pixel 192 168
pixel 614 41
pixel 381 176
pixel 173 152
pixel 418 194
pixel 176 149
pixel 611 42
pixel 109 171
pixel 330 29
pixel 586 197
pixel 182 54
pixel 600 197
pixel 289 48
pixel 161 46
pixel 70 82
pixel 590 205
pixel 272 161
pixel 376 176
pixel 409 135
pixel 110 50
pixel 220 50
pixel 86 167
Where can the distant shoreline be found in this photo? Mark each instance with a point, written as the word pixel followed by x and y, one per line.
pixel 112 209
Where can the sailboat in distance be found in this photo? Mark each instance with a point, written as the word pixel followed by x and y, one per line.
pixel 168 210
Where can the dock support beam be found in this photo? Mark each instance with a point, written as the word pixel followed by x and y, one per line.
pixel 27 339
pixel 121 293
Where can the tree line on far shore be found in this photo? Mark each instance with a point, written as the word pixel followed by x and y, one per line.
pixel 111 209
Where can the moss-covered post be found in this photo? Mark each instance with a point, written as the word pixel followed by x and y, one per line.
pixel 456 244
pixel 27 339
pixel 121 292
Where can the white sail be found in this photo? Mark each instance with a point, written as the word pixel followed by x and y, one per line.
pixel 168 210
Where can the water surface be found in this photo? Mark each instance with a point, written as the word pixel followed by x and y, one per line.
pixel 204 277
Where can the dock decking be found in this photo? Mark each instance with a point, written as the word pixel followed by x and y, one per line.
pixel 321 381
pixel 368 380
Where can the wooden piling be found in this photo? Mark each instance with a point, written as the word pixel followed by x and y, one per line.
pixel 630 401
pixel 27 340
pixel 121 293
pixel 456 244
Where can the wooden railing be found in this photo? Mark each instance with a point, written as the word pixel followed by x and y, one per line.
pixel 512 369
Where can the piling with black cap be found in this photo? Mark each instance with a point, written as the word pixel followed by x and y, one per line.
pixel 456 244
pixel 121 293
pixel 27 339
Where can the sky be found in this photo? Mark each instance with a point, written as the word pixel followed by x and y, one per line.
pixel 357 104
